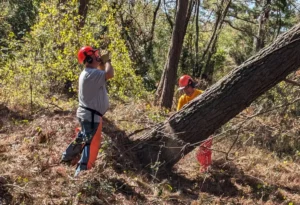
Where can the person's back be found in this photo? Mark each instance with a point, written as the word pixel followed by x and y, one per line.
pixel 92 93
pixel 93 103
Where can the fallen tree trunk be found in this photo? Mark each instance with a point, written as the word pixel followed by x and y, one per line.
pixel 169 141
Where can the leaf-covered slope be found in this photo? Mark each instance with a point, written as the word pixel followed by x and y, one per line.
pixel 31 173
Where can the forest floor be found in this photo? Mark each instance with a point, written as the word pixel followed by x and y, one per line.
pixel 30 172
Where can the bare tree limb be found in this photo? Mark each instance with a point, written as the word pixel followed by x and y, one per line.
pixel 239 29
pixel 242 19
pixel 292 82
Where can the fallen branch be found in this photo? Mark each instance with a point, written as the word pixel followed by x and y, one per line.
pixel 137 131
pixel 292 82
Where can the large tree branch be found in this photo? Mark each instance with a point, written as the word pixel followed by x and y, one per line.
pixel 240 18
pixel 239 29
pixel 169 18
pixel 292 82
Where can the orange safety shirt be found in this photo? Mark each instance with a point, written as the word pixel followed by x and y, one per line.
pixel 185 98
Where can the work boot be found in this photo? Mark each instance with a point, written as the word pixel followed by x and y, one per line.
pixel 80 168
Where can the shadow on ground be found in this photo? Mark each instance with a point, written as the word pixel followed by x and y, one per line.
pixel 223 180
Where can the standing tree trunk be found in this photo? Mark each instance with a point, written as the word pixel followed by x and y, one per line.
pixel 82 11
pixel 169 18
pixel 259 40
pixel 209 64
pixel 211 47
pixel 149 50
pixel 169 141
pixel 196 66
pixel 278 23
pixel 165 91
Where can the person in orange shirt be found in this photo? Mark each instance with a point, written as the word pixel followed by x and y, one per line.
pixel 187 84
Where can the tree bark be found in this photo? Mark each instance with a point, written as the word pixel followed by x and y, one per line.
pixel 264 17
pixel 165 91
pixel 196 121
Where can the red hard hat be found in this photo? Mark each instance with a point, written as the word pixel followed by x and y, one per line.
pixel 184 81
pixel 83 52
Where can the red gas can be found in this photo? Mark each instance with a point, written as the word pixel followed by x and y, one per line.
pixel 204 154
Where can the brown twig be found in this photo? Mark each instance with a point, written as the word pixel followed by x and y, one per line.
pixel 137 131
pixel 16 186
pixel 292 82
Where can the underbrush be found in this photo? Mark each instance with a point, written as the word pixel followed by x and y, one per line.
pixel 255 161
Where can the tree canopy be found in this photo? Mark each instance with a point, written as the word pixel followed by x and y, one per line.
pixel 39 40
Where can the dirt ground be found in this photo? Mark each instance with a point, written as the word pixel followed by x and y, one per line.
pixel 31 173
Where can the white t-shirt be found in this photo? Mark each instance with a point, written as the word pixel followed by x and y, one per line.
pixel 92 94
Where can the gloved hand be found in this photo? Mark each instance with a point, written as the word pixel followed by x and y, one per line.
pixel 105 56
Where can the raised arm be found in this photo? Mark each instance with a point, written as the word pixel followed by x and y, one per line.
pixel 109 70
pixel 105 64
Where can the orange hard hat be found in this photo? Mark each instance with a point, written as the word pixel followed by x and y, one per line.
pixel 84 52
pixel 184 81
